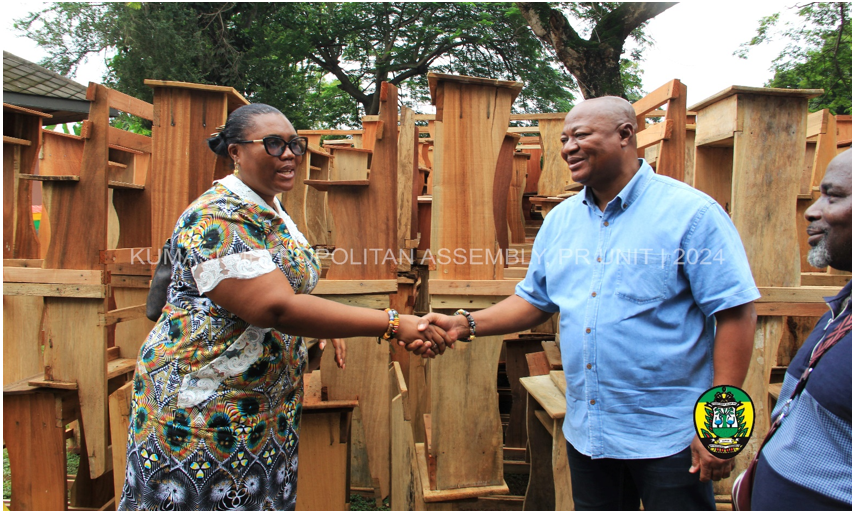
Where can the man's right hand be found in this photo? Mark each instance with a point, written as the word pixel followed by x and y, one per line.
pixel 456 327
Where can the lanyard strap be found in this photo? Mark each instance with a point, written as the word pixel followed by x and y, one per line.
pixel 827 342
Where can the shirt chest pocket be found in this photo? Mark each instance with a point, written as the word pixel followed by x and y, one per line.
pixel 644 278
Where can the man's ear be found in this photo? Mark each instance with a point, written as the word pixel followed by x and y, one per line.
pixel 627 132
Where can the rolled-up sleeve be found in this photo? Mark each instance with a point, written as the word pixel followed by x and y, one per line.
pixel 715 262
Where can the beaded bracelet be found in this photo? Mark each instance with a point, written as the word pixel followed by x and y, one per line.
pixel 471 323
pixel 393 325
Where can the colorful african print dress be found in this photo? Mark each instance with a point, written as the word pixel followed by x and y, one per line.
pixel 217 401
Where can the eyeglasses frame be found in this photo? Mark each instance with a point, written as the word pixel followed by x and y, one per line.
pixel 287 144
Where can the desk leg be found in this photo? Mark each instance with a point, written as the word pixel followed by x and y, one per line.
pixel 35 440
pixel 540 491
pixel 561 472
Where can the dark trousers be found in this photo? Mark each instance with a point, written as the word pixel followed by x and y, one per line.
pixel 663 484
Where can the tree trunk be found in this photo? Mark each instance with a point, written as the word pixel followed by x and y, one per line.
pixel 595 62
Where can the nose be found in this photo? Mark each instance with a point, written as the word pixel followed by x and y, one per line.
pixel 288 153
pixel 814 212
pixel 569 146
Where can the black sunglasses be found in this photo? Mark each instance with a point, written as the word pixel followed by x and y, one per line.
pixel 275 145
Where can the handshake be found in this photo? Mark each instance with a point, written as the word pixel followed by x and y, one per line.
pixel 432 334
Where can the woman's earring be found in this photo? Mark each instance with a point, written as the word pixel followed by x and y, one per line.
pixel 236 167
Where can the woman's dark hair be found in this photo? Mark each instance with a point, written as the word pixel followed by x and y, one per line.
pixel 240 121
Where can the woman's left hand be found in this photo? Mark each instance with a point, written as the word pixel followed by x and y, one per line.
pixel 339 351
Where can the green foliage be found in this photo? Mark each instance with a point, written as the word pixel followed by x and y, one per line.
pixel 320 63
pixel 708 423
pixel 359 503
pixel 818 54
pixel 131 123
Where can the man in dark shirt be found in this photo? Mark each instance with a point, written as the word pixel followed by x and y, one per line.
pixel 807 463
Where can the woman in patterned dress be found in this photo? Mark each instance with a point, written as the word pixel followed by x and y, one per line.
pixel 218 385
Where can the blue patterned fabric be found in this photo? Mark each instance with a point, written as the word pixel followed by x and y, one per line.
pixel 636 286
pixel 217 402
pixel 809 459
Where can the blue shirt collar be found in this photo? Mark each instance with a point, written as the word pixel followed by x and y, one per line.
pixel 630 193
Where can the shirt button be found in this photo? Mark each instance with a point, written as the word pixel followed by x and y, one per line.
pixel 594 294
pixel 588 366
pixel 588 330
pixel 592 402
pixel 606 224
pixel 599 259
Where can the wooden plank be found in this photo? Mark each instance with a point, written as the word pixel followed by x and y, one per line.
pixel 374 228
pixel 55 290
pixel 672 154
pixel 719 121
pixel 16 141
pixel 365 379
pixel 125 186
pixel 133 141
pixel 559 116
pixel 125 314
pixel 463 301
pixel 23 263
pixel 119 420
pixel 329 132
pixel 824 279
pixel 658 97
pixel 791 309
pixel 407 172
pixel 554 170
pixel 473 287
pixel 515 199
pixel 130 105
pixel 558 379
pixel 22 317
pixel 540 490
pixel 502 182
pixel 130 335
pixel 799 294
pixel 75 350
pixel 369 301
pixel 35 442
pixel 542 389
pixel 19 109
pixel 538 364
pixel 76 240
pixel 818 122
pixel 561 470
pixel 554 356
pixel 405 478
pixel 323 479
pixel 325 185
pixel 430 495
pixel 52 384
pixel 468 143
pixel 141 255
pixel 765 91
pixel 38 177
pixel 131 281
pixel 352 287
pixel 474 459
pixel 517 368
pixel 52 276
pixel 120 366
pixel 61 155
pixel 654 134
pixel 399 387
pixel 234 99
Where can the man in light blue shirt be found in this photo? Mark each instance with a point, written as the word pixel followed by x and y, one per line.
pixel 655 299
